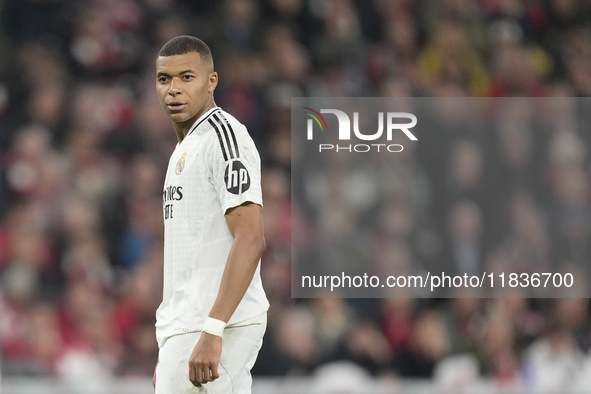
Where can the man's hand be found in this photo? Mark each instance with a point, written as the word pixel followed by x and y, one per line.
pixel 204 361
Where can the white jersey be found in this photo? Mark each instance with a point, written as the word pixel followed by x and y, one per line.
pixel 214 168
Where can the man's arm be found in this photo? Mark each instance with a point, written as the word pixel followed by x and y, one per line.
pixel 246 226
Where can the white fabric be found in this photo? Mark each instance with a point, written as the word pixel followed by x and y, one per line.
pixel 240 347
pixel 214 326
pixel 200 185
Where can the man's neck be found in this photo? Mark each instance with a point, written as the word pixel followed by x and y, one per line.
pixel 182 129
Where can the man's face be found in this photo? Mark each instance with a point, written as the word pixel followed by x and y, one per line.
pixel 185 86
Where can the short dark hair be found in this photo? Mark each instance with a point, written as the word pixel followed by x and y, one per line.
pixel 184 44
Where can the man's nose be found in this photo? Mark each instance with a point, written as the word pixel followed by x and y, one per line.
pixel 174 88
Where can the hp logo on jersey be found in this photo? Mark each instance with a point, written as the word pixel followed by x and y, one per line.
pixel 236 177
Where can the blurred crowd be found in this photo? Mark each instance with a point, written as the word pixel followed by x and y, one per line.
pixel 84 145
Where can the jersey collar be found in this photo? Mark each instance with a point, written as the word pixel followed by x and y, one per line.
pixel 202 119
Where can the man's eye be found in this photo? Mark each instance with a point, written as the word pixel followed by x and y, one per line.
pixel 162 79
pixel 187 77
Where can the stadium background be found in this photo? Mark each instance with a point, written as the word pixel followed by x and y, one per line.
pixel 84 144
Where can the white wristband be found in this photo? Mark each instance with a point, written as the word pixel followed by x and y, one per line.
pixel 214 326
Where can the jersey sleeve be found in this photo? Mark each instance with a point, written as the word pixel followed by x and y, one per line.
pixel 235 165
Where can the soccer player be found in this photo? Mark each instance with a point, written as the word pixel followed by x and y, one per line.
pixel 211 322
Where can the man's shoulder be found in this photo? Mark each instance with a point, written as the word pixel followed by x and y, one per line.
pixel 226 125
pixel 230 121
pixel 229 136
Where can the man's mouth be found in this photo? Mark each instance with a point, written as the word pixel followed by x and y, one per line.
pixel 175 106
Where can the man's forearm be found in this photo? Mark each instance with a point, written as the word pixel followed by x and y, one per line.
pixel 242 263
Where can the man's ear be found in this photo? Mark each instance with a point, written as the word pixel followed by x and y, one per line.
pixel 213 81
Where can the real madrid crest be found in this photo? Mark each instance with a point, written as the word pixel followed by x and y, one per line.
pixel 180 164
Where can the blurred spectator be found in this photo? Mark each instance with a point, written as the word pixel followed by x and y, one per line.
pixel 366 346
pixel 428 345
pixel 397 316
pixel 497 349
pixel 292 348
pixel 449 58
pixel 465 229
pixel 551 361
pixel 463 319
pixel 333 319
